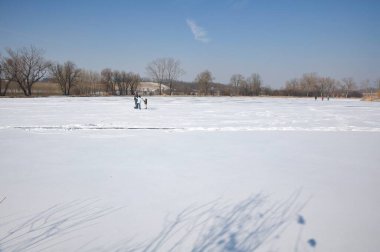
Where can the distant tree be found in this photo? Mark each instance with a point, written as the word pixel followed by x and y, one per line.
pixel 108 80
pixel 124 84
pixel 324 86
pixel 133 81
pixel 117 80
pixel 89 83
pixel 157 71
pixel 254 83
pixel 337 89
pixel 204 80
pixel 25 66
pixel 245 88
pixel 292 87
pixel 377 83
pixel 329 86
pixel 348 85
pixel 267 90
pixel 236 81
pixel 165 70
pixel 4 83
pixel 65 75
pixel 367 87
pixel 173 72
pixel 126 81
pixel 309 82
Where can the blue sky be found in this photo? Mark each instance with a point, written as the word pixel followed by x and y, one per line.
pixel 279 39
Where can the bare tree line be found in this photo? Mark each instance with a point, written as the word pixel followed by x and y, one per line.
pixel 311 84
pixel 120 82
pixel 89 83
pixel 249 86
pixel 21 69
pixel 27 66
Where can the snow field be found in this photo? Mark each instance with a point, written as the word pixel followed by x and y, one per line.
pixel 134 171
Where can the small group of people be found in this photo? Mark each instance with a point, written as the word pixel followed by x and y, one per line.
pixel 139 100
pixel 322 97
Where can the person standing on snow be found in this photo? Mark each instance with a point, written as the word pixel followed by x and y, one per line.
pixel 146 103
pixel 135 98
pixel 139 102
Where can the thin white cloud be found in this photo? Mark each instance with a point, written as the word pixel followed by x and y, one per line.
pixel 239 4
pixel 199 33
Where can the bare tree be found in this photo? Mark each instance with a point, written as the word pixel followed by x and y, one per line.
pixel 173 72
pixel 25 66
pixel 330 86
pixel 117 80
pixel 125 81
pixel 366 86
pixel 124 84
pixel 377 83
pixel 349 85
pixel 369 88
pixel 89 83
pixel 65 75
pixel 165 70
pixel 108 80
pixel 133 81
pixel 309 82
pixel 245 88
pixel 336 88
pixel 254 83
pixel 4 83
pixel 321 86
pixel 236 81
pixel 204 80
pixel 157 71
pixel 292 87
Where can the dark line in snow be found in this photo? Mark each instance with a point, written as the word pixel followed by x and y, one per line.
pixel 93 128
pixel 208 129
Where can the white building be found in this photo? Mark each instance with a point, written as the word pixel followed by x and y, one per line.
pixel 147 88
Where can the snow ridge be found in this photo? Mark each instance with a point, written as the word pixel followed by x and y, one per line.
pixel 74 127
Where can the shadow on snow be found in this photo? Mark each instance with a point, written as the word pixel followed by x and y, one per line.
pixel 241 227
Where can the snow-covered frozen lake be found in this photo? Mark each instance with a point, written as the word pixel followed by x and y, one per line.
pixel 189 173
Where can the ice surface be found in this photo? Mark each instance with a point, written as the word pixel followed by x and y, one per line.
pixel 84 174
pixel 190 114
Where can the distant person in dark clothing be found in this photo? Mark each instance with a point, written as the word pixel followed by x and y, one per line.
pixel 146 103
